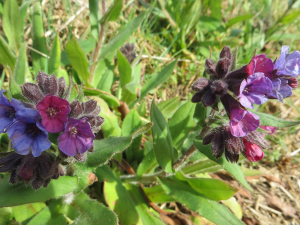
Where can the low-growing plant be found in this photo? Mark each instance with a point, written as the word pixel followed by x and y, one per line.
pixel 80 146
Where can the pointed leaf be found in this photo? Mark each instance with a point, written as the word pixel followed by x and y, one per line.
pixel 94 17
pixel 168 107
pixel 124 69
pixel 162 140
pixel 78 59
pixel 12 24
pixel 113 11
pixel 21 69
pixel 7 58
pixel 209 209
pixel 12 195
pixel 54 61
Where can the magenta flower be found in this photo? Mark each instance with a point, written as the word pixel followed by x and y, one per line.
pixel 54 112
pixel 254 90
pixel 288 64
pixel 253 151
pixel 269 128
pixel 77 137
pixel 260 63
pixel 242 121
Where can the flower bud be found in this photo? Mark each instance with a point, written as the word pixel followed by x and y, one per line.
pixel 219 87
pixel 201 84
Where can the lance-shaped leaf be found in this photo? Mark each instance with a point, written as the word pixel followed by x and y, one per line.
pixel 157 194
pixel 12 195
pixel 209 209
pixel 113 11
pixel 94 17
pixel 54 61
pixel 168 107
pixel 231 168
pixel 157 79
pixel 38 41
pixel 162 140
pixel 121 37
pixel 148 164
pixel 21 68
pixel 7 58
pixel 212 188
pixel 269 120
pixel 130 124
pixel 26 211
pixel 12 24
pixel 110 99
pixel 181 123
pixel 78 59
pixel 124 69
pixel 86 211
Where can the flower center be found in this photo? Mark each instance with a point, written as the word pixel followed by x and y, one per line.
pixel 73 130
pixel 32 130
pixel 52 111
pixel 10 112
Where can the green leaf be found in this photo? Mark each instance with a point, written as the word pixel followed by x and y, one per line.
pixel 78 59
pixel 54 61
pixel 167 107
pixel 86 211
pixel 111 124
pixel 24 212
pixel 7 58
pixel 38 41
pixel 212 188
pixel 12 24
pixel 94 17
pixel 106 148
pixel 181 123
pixel 234 206
pixel 289 18
pixel 107 76
pixel 203 166
pixel 113 11
pixel 215 7
pixel 12 195
pixel 142 110
pixel 158 79
pixel 157 194
pixel 130 124
pixel 21 68
pixel 238 19
pixel 124 69
pixel 43 217
pixel 148 164
pixel 111 100
pixel 23 13
pixel 121 37
pixel 162 140
pixel 201 113
pixel 231 168
pixel 209 209
pixel 269 120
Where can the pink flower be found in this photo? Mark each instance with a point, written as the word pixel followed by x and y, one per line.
pixel 77 137
pixel 260 63
pixel 269 128
pixel 253 151
pixel 54 112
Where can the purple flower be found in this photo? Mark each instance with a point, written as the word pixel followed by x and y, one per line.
pixel 260 63
pixel 288 64
pixel 242 122
pixel 254 90
pixel 280 90
pixel 7 111
pixel 54 112
pixel 77 137
pixel 26 133
pixel 269 128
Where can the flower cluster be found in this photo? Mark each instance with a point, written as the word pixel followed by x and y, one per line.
pixel 28 124
pixel 260 80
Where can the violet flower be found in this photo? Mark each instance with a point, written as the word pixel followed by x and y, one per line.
pixel 54 112
pixel 7 111
pixel 288 64
pixel 77 137
pixel 280 90
pixel 254 90
pixel 26 133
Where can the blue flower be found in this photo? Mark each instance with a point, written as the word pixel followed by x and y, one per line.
pixel 7 111
pixel 26 133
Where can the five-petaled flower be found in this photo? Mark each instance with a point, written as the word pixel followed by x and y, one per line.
pixel 54 112
pixel 77 137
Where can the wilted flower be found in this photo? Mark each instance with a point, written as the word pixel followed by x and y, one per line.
pixel 29 169
pixel 222 141
pixel 77 137
pixel 7 111
pixel 26 133
pixel 54 112
pixel 254 89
